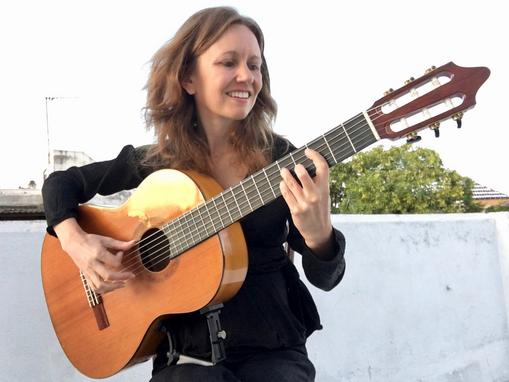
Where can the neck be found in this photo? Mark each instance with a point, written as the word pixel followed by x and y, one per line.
pixel 217 132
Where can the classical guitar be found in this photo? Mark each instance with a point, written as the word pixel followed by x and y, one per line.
pixel 190 248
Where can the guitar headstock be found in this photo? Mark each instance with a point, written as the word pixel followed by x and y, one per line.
pixel 442 93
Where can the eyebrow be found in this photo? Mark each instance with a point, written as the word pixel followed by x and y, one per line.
pixel 235 53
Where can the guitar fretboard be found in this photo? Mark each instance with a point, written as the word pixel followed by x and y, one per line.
pixel 262 187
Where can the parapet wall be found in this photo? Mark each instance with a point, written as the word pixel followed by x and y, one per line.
pixel 424 298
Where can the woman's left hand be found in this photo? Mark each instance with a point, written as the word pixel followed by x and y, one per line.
pixel 309 202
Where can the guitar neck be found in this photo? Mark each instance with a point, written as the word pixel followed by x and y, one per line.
pixel 262 187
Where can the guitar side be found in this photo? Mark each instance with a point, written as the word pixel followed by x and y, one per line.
pixel 208 273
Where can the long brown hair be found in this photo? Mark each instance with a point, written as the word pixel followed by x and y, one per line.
pixel 181 142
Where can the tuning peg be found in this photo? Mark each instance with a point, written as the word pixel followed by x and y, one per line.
pixel 436 128
pixel 411 79
pixel 429 70
pixel 387 92
pixel 412 138
pixel 457 117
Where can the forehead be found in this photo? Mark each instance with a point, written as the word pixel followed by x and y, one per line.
pixel 237 39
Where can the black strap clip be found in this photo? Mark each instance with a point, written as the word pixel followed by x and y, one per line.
pixel 217 334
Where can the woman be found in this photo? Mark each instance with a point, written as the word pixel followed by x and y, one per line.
pixel 209 102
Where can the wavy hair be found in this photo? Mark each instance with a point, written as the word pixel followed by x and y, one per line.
pixel 171 112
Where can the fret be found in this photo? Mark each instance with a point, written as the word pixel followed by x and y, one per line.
pixel 210 218
pixel 268 182
pixel 180 237
pixel 191 214
pixel 264 186
pixel 195 231
pixel 227 209
pixel 205 227
pixel 288 159
pixel 349 140
pixel 360 132
pixel 237 204
pixel 371 126
pixel 293 160
pixel 187 229
pixel 218 211
pixel 257 190
pixel 247 196
pixel 330 150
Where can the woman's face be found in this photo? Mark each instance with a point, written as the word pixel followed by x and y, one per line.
pixel 227 78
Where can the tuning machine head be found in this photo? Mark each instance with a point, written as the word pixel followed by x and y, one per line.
pixel 429 70
pixel 412 138
pixel 436 128
pixel 457 117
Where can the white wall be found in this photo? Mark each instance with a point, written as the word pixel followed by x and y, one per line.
pixel 424 299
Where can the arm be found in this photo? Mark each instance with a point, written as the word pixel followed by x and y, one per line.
pixel 63 191
pixel 98 257
pixel 311 231
pixel 322 273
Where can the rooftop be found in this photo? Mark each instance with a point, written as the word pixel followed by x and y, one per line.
pixel 480 192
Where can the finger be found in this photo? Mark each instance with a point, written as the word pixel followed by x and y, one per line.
pixel 291 183
pixel 108 258
pixel 120 245
pixel 93 280
pixel 305 179
pixel 108 287
pixel 101 286
pixel 108 275
pixel 321 165
pixel 288 196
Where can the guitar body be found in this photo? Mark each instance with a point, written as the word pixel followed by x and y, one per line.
pixel 123 329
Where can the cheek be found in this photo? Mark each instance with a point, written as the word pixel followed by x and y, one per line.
pixel 258 83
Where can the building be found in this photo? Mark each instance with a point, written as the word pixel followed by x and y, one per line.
pixel 488 197
pixel 26 203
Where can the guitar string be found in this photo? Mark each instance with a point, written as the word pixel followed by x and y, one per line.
pixel 271 178
pixel 263 194
pixel 191 231
pixel 162 254
pixel 230 191
pixel 147 240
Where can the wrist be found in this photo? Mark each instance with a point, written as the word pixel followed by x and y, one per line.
pixel 68 231
pixel 322 247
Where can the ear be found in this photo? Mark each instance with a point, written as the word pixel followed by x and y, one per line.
pixel 188 86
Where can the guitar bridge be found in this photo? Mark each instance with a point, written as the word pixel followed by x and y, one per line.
pixel 95 301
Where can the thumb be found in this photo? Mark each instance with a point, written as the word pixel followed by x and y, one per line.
pixel 120 245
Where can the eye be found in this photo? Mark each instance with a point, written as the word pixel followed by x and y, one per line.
pixel 229 63
pixel 254 66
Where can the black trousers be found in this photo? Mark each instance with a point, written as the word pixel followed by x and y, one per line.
pixel 284 365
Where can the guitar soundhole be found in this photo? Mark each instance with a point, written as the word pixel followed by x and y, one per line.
pixel 155 250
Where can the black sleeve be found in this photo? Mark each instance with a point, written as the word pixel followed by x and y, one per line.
pixel 63 191
pixel 324 274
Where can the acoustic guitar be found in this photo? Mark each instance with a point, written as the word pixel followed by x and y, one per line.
pixel 190 249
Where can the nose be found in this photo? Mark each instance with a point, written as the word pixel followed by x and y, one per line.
pixel 244 74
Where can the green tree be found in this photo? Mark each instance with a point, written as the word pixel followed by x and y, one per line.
pixel 400 180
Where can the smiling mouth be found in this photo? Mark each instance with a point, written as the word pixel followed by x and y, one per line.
pixel 238 94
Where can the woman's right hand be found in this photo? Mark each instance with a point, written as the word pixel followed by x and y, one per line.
pixel 98 257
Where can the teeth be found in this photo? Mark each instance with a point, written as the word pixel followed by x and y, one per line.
pixel 239 94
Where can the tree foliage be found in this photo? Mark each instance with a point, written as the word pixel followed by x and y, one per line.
pixel 399 180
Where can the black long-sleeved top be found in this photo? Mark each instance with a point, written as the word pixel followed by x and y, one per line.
pixel 273 307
